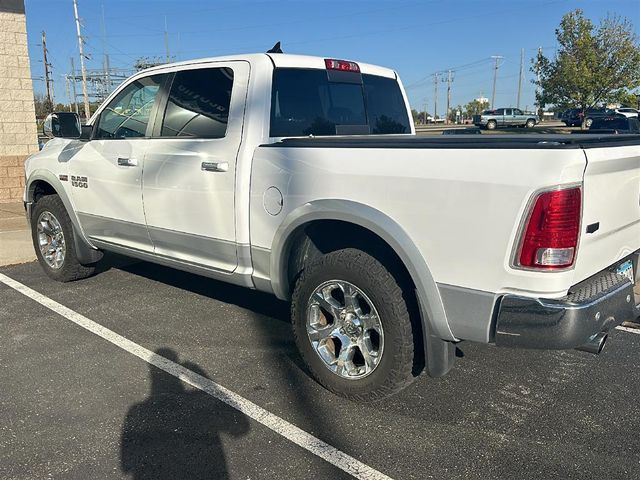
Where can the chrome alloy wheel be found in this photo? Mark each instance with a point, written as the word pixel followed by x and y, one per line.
pixel 344 329
pixel 51 240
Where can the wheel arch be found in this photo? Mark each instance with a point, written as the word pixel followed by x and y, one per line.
pixel 46 183
pixel 433 315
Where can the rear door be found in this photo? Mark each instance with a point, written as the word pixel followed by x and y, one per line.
pixel 190 165
pixel 509 117
pixel 611 208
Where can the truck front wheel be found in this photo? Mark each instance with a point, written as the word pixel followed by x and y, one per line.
pixel 52 234
pixel 491 125
pixel 352 325
pixel 530 123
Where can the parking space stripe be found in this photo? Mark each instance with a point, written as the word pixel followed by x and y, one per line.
pixel 289 431
pixel 628 329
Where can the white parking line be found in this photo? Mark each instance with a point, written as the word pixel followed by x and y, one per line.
pixel 289 431
pixel 628 329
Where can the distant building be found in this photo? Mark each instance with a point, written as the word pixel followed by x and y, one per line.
pixel 18 131
pixel 481 99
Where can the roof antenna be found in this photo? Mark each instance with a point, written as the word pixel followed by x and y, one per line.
pixel 276 49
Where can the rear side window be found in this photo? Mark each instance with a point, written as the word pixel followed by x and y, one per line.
pixel 198 104
pixel 304 102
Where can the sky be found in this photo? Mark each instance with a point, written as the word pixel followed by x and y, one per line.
pixel 416 38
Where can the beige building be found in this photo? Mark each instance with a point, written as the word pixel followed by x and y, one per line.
pixel 18 131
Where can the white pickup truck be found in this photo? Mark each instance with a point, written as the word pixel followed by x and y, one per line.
pixel 303 177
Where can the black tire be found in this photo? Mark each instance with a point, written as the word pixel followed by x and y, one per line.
pixel 588 122
pixel 530 123
pixel 395 369
pixel 491 125
pixel 71 269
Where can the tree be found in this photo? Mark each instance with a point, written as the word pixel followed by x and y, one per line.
pixel 475 107
pixel 592 65
pixel 419 117
pixel 629 99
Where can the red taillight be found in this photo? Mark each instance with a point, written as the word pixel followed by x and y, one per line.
pixel 550 237
pixel 341 65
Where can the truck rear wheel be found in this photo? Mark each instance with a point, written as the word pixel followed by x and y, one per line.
pixel 491 125
pixel 352 326
pixel 52 234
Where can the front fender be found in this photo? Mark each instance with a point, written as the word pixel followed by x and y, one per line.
pixel 86 251
pixel 433 312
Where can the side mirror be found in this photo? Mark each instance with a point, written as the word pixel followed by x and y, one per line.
pixel 63 125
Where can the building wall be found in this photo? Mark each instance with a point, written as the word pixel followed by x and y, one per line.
pixel 18 131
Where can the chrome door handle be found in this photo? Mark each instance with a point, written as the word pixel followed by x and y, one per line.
pixel 215 166
pixel 127 162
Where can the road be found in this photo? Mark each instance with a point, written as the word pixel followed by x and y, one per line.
pixel 76 404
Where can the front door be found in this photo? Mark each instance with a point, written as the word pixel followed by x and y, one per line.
pixel 106 174
pixel 190 166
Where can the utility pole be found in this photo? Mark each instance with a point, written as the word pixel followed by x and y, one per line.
pixel 166 39
pixel 435 95
pixel 520 77
pixel 66 82
pixel 47 74
pixel 105 63
pixel 449 80
pixel 538 85
pixel 73 86
pixel 495 78
pixel 425 111
pixel 87 110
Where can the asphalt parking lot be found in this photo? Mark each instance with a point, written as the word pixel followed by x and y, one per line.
pixel 75 404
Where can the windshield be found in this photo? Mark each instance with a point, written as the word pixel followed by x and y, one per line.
pixel 305 102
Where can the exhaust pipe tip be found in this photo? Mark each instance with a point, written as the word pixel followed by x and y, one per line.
pixel 595 344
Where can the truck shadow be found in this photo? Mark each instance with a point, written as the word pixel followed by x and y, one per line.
pixel 177 432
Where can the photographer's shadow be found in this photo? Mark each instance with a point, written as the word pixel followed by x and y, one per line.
pixel 176 432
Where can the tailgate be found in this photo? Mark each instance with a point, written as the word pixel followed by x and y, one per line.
pixel 611 208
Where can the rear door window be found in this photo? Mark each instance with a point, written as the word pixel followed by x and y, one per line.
pixel 198 103
pixel 305 102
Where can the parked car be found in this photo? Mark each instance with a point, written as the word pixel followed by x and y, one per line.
pixel 302 177
pixel 505 117
pixel 615 124
pixel 574 116
pixel 627 112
